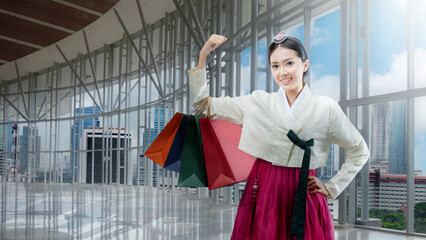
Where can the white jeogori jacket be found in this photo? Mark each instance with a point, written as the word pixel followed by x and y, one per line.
pixel 266 119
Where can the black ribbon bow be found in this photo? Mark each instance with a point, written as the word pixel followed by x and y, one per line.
pixel 297 227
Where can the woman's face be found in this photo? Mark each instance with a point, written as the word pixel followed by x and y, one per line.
pixel 288 68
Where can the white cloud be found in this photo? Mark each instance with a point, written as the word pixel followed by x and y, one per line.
pixel 319 35
pixel 396 79
pixel 327 85
pixel 392 81
pixel 419 67
pixel 420 116
pixel 245 80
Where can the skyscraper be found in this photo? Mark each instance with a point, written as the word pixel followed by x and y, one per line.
pixel 327 172
pixel 30 149
pixel 398 139
pixel 86 123
pixel 389 137
pixel 114 163
pixel 9 137
pixel 380 136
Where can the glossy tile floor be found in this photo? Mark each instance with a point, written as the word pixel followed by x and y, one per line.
pixel 73 211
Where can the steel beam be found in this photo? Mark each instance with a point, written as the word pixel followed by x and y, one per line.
pixel 253 41
pixel 411 188
pixel 11 104
pixel 78 77
pixel 353 94
pixel 148 40
pixel 365 175
pixel 20 87
pixel 41 107
pixel 218 85
pixel 307 35
pixel 188 24
pixel 343 87
pixel 92 67
pixel 196 20
pixel 257 19
pixel 157 86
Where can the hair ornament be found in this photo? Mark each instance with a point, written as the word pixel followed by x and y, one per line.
pixel 280 37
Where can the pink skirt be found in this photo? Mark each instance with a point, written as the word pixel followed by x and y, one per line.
pixel 274 206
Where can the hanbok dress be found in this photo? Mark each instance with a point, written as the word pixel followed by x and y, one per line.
pixel 266 206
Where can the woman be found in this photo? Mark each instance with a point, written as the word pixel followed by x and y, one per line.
pixel 289 132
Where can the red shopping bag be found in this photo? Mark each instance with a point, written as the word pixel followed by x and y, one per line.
pixel 160 147
pixel 225 163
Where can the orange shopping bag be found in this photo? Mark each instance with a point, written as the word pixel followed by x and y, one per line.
pixel 225 163
pixel 160 148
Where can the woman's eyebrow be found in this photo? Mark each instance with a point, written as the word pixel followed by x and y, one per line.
pixel 285 60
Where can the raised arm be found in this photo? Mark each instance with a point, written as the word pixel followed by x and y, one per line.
pixel 225 108
pixel 212 43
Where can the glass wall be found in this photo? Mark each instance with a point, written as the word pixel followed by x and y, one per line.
pixel 91 120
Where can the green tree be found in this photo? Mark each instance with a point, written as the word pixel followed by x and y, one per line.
pixel 420 217
pixel 420 210
pixel 395 225
pixel 394 221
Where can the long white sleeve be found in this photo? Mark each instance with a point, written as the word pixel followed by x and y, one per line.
pixel 343 133
pixel 224 108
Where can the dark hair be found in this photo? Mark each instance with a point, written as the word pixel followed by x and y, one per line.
pixel 293 44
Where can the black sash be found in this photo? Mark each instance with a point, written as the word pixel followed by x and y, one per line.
pixel 297 227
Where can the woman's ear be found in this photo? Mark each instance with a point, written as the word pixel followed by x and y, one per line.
pixel 306 66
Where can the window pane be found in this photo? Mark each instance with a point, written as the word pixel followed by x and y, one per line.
pixel 387 185
pixel 420 166
pixel 388 58
pixel 325 55
pixel 419 43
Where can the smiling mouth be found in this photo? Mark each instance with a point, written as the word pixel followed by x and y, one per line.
pixel 285 80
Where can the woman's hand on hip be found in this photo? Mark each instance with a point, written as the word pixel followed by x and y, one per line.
pixel 316 186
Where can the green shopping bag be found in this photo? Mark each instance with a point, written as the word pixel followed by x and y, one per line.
pixel 193 169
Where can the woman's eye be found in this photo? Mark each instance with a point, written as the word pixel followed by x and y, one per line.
pixel 274 66
pixel 289 63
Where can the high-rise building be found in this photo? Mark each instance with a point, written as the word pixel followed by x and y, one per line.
pixel 380 136
pixel 398 139
pixel 389 137
pixel 9 137
pixel 148 138
pixel 327 172
pixel 90 162
pixel 389 191
pixel 77 129
pixel 30 149
pixel 13 149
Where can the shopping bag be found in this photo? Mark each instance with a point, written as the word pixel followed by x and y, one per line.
pixel 160 147
pixel 192 170
pixel 225 163
pixel 173 160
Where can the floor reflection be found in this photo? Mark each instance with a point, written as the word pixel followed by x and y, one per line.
pixel 73 211
pixel 80 211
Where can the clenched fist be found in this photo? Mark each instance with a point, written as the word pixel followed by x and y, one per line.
pixel 212 43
